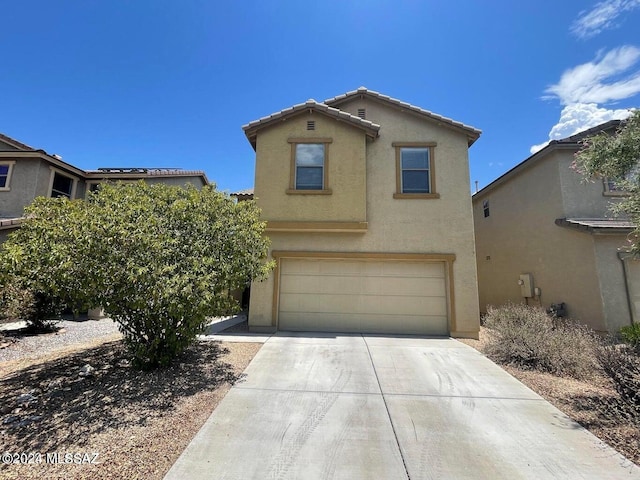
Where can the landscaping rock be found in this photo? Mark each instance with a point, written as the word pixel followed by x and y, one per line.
pixel 25 399
pixel 87 371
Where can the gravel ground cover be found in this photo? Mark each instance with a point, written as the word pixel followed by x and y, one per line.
pixel 593 403
pixel 19 345
pixel 75 397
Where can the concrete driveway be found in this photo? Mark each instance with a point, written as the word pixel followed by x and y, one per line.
pixel 322 406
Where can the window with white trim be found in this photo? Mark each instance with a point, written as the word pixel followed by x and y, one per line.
pixel 6 168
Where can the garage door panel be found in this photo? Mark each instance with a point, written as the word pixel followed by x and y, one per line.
pixel 363 296
pixel 357 285
pixel 342 322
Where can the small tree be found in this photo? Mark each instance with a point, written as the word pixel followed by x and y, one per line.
pixel 158 259
pixel 39 268
pixel 617 157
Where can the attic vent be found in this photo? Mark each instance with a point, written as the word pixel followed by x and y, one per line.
pixel 362 113
pixel 311 124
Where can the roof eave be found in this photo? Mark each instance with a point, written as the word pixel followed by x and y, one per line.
pixel 563 222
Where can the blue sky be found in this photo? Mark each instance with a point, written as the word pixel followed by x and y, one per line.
pixel 170 83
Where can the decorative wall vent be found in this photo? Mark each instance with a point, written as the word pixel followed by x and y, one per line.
pixel 362 113
pixel 311 124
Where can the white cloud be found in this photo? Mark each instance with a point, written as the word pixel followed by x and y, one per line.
pixel 586 83
pixel 582 88
pixel 578 117
pixel 602 17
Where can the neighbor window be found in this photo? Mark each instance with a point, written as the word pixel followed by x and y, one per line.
pixel 309 166
pixel 485 208
pixel 61 185
pixel 6 169
pixel 612 189
pixel 415 170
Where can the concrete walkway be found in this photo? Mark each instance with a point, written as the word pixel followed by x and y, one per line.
pixel 325 406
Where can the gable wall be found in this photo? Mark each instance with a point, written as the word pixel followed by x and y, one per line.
pixel 520 236
pixel 346 171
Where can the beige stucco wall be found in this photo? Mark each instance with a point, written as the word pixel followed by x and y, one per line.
pixel 441 226
pixel 613 292
pixel 346 172
pixel 520 236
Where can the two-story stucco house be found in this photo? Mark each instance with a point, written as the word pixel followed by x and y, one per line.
pixel 27 173
pixel 545 236
pixel 368 208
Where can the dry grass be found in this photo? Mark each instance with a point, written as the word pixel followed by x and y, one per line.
pixel 592 402
pixel 137 422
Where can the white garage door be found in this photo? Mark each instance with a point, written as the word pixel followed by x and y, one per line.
pixel 363 296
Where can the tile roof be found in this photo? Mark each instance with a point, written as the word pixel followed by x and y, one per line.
pixel 16 143
pixel 144 172
pixel 597 225
pixel 571 142
pixel 246 191
pixel 611 125
pixel 472 132
pixel 251 128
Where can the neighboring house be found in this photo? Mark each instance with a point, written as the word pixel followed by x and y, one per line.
pixel 368 208
pixel 27 173
pixel 541 220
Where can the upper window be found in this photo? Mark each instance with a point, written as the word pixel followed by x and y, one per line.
pixel 309 166
pixel 6 169
pixel 611 188
pixel 309 160
pixel 415 170
pixel 485 208
pixel 62 186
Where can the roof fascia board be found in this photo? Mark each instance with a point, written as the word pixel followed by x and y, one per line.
pixel 44 156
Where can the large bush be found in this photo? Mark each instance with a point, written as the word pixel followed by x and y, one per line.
pixel 527 337
pixel 158 259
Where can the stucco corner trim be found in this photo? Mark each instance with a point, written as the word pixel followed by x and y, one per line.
pixel 321 227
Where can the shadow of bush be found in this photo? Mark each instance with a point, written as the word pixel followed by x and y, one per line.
pixel 71 407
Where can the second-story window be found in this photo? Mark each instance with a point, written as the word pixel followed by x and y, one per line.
pixel 415 170
pixel 62 186
pixel 309 166
pixel 5 174
pixel 485 208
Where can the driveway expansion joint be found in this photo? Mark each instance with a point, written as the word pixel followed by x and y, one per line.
pixel 386 407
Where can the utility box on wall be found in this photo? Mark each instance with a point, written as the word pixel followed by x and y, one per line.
pixel 526 285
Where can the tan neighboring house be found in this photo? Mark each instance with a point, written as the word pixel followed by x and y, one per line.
pixel 27 173
pixel 368 208
pixel 545 236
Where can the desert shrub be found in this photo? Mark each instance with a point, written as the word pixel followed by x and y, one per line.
pixel 631 336
pixel 621 363
pixel 38 309
pixel 529 338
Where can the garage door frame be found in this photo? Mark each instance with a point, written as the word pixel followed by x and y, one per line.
pixel 446 258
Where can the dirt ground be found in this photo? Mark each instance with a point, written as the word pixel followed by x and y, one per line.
pixel 115 422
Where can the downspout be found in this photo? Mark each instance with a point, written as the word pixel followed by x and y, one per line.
pixel 623 256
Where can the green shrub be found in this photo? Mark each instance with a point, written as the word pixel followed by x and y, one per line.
pixel 529 338
pixel 39 310
pixel 631 335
